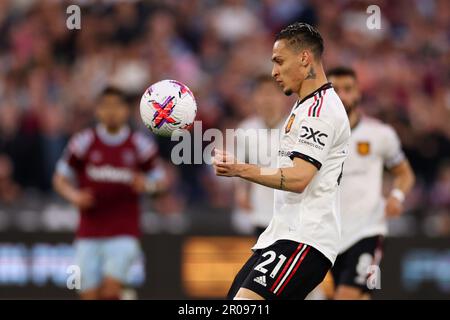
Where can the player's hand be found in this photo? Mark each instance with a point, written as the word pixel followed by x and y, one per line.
pixel 394 207
pixel 83 199
pixel 139 183
pixel 225 164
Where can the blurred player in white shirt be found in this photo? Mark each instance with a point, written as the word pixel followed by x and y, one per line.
pixel 251 198
pixel 364 211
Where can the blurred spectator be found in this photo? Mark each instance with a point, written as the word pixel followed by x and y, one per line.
pixel 233 20
pixel 19 140
pixel 9 190
pixel 440 192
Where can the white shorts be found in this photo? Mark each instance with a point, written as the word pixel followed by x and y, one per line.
pixel 100 257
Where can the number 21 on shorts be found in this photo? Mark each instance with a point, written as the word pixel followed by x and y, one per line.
pixel 271 258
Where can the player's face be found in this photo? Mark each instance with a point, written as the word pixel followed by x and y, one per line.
pixel 269 102
pixel 347 90
pixel 287 68
pixel 112 112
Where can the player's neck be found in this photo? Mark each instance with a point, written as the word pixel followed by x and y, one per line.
pixel 113 130
pixel 354 118
pixel 315 79
pixel 112 138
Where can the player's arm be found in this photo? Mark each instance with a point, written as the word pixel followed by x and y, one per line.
pixel 398 165
pixel 82 199
pixel 66 167
pixel 307 155
pixel 404 179
pixel 153 181
pixel 294 179
pixel 63 184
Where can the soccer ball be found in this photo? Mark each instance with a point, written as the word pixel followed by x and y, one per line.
pixel 168 106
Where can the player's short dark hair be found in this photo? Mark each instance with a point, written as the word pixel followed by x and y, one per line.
pixel 114 91
pixel 302 35
pixel 341 71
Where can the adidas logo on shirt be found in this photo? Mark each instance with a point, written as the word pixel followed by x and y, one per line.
pixel 261 280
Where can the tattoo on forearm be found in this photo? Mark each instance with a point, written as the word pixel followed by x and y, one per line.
pixel 311 74
pixel 281 180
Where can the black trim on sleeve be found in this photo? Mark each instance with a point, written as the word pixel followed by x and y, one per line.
pixel 314 162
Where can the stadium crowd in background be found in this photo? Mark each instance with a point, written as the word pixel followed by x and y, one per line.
pixel 50 77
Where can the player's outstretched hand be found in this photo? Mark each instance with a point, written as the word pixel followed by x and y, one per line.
pixel 141 184
pixel 394 207
pixel 225 164
pixel 83 199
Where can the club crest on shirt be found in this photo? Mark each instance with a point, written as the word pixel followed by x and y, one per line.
pixel 363 148
pixel 289 123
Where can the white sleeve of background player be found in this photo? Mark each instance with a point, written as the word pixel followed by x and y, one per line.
pixel 63 168
pixel 79 144
pixel 314 141
pixel 75 151
pixel 146 147
pixel 392 150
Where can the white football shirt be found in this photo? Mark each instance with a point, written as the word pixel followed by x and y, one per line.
pixel 372 146
pixel 318 131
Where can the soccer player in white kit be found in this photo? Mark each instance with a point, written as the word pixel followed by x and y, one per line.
pixel 293 255
pixel 257 143
pixel 373 145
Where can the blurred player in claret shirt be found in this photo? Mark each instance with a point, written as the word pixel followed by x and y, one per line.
pixel 111 165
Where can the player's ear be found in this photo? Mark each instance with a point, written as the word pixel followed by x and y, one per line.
pixel 304 58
